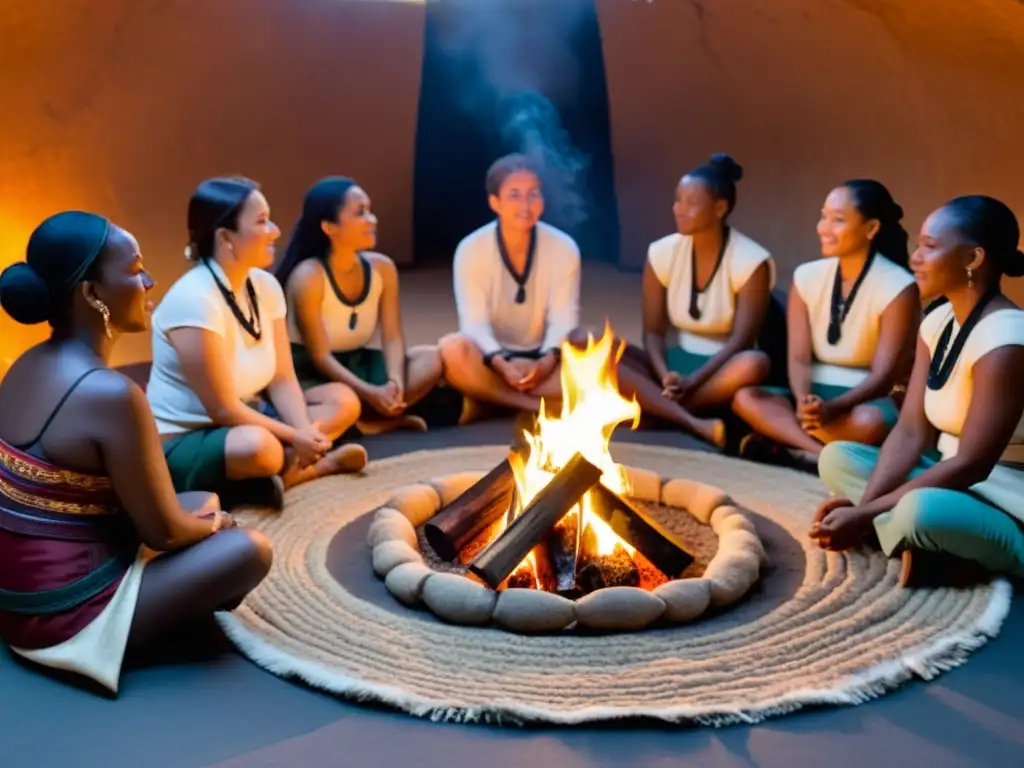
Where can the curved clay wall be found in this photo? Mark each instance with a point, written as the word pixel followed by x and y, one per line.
pixel 121 107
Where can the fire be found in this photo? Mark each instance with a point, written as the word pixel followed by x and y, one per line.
pixel 592 408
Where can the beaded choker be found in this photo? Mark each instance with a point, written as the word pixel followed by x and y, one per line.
pixel 251 324
pixel 519 278
pixel 353 319
pixel 695 292
pixel 839 309
pixel 942 362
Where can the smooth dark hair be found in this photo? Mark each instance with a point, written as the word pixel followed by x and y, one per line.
pixel 63 251
pixel 720 174
pixel 991 225
pixel 323 202
pixel 215 205
pixel 874 201
pixel 504 167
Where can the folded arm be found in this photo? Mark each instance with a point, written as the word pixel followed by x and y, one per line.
pixel 563 314
pixel 392 336
pixel 800 349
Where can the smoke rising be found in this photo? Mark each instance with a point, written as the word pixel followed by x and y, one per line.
pixel 505 55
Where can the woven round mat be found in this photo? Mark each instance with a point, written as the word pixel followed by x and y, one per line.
pixel 821 628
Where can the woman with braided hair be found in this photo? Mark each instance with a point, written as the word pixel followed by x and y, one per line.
pixel 851 321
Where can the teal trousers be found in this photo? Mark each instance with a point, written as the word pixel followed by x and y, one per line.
pixel 935 519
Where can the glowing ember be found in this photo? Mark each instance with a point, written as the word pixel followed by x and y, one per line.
pixel 591 410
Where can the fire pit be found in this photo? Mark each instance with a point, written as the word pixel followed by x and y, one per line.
pixel 558 534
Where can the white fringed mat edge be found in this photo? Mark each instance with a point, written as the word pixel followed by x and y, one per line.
pixel 925 662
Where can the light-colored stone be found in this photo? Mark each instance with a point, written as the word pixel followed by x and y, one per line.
pixel 393 527
pixel 405 582
pixel 450 487
pixel 417 502
pixel 456 599
pixel 698 499
pixel 622 608
pixel 732 574
pixel 685 599
pixel 730 518
pixel 743 541
pixel 532 610
pixel 391 554
pixel 644 485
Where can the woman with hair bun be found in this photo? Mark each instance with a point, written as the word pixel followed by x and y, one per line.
pixel 712 285
pixel 339 293
pixel 851 321
pixel 946 490
pixel 223 388
pixel 83 481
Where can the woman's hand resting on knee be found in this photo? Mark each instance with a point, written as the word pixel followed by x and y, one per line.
pixel 839 524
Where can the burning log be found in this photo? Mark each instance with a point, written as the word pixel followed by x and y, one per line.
pixel 598 571
pixel 562 546
pixel 465 517
pixel 564 491
pixel 642 532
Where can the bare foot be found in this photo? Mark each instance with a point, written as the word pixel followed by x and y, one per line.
pixel 344 459
pixel 380 426
pixel 473 410
pixel 713 430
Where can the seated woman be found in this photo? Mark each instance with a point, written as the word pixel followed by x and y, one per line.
pixel 851 320
pixel 947 516
pixel 713 284
pixel 83 482
pixel 517 288
pixel 222 387
pixel 338 292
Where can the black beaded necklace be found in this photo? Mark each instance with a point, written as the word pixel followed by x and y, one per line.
pixel 839 309
pixel 695 292
pixel 251 324
pixel 943 362
pixel 519 278
pixel 353 319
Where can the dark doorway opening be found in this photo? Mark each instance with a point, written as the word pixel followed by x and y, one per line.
pixel 489 66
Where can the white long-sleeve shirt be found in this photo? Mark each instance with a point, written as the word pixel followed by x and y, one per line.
pixel 485 292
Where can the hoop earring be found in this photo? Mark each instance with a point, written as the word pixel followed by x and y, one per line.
pixel 970 278
pixel 105 313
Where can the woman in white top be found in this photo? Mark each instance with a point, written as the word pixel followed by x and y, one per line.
pixel 711 284
pixel 339 292
pixel 222 387
pixel 517 290
pixel 852 318
pixel 964 507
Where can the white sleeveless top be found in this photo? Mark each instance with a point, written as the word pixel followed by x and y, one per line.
pixel 194 301
pixel 946 409
pixel 847 363
pixel 671 259
pixel 342 334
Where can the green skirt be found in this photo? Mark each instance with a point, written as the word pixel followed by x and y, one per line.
pixel 682 362
pixel 890 413
pixel 441 407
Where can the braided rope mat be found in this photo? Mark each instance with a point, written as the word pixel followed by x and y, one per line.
pixel 841 632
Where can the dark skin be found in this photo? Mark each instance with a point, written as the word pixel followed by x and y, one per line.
pixel 106 428
pixel 668 394
pixel 814 422
pixel 940 265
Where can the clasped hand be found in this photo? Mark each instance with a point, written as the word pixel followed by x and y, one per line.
pixel 310 445
pixel 813 413
pixel 387 399
pixel 675 386
pixel 839 524
pixel 523 374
